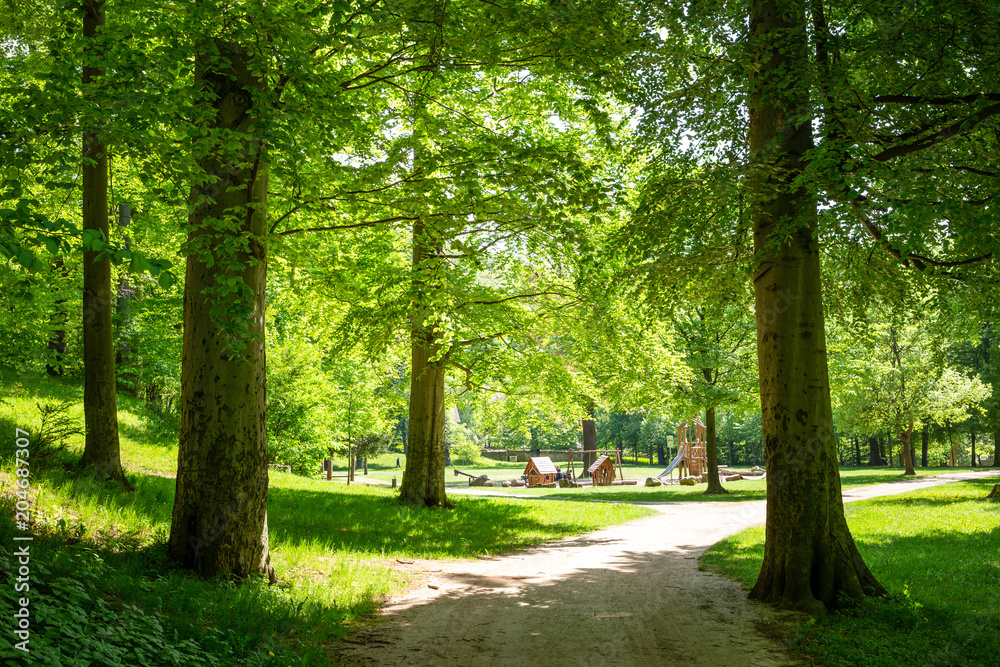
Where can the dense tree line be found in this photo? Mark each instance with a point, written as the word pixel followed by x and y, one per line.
pixel 574 222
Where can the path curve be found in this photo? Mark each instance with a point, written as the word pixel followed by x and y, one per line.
pixel 630 594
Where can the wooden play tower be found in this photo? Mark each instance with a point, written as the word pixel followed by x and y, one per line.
pixel 691 437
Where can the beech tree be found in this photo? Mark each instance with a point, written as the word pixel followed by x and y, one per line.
pixel 897 147
pixel 100 407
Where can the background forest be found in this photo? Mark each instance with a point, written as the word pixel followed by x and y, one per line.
pixel 547 166
pixel 296 230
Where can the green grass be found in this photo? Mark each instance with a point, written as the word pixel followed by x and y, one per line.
pixel 384 468
pixel 936 550
pixel 101 554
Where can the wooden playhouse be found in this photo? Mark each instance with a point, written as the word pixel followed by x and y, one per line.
pixel 602 472
pixel 540 470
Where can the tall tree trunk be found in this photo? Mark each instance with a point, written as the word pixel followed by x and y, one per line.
pixel 925 437
pixel 123 303
pixel 996 448
pixel 219 522
pixel 423 479
pixel 857 451
pixel 57 338
pixel 907 453
pixel 953 452
pixel 973 459
pixel 589 437
pixel 809 555
pixel 712 454
pixel 874 459
pixel 661 459
pixel 101 450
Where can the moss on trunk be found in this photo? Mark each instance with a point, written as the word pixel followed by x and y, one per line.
pixel 219 522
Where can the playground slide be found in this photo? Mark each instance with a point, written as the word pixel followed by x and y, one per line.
pixel 673 464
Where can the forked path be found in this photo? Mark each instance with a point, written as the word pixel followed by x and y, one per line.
pixel 630 594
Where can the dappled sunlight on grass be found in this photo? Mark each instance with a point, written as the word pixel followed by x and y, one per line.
pixel 371 521
pixel 937 551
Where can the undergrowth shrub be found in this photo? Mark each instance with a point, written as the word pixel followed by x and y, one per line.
pixel 71 624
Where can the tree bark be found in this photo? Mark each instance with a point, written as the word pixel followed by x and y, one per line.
pixel 973 458
pixel 874 459
pixel 907 453
pixel 57 338
pixel 661 459
pixel 996 448
pixel 925 436
pixel 124 293
pixel 423 479
pixel 712 454
pixel 857 451
pixel 589 437
pixel 219 522
pixel 809 555
pixel 101 450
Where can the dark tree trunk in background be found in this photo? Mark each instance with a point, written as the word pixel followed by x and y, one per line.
pixel 857 451
pixel 973 459
pixel 123 306
pixel 589 437
pixel 57 338
pixel 996 448
pixel 925 436
pixel 219 522
pixel 907 451
pixel 712 454
pixel 810 558
pixel 101 450
pixel 874 458
pixel 661 459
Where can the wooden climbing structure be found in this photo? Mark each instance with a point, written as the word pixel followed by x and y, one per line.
pixel 691 436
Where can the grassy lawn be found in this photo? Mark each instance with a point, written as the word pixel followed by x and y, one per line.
pixel 384 468
pixel 105 590
pixel 936 550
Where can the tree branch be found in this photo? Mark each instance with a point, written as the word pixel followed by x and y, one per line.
pixel 943 134
pixel 371 223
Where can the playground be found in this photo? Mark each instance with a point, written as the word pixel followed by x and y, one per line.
pixel 588 471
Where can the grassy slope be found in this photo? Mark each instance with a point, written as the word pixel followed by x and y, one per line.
pixel 937 550
pixel 330 543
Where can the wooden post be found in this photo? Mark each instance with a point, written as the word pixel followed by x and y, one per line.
pixel 329 469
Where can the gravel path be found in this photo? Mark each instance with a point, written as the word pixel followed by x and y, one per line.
pixel 630 594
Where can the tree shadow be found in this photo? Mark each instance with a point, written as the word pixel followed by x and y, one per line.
pixel 940 496
pixel 375 523
pixel 628 608
pixel 149 432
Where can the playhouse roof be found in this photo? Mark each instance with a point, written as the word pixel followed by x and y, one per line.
pixel 597 464
pixel 543 464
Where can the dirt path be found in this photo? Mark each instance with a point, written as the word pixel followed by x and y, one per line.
pixel 627 595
